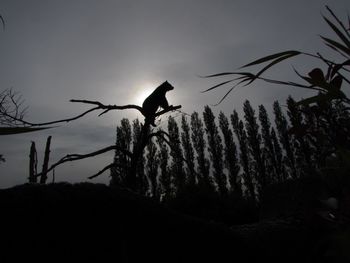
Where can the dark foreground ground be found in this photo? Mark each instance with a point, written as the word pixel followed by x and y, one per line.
pixel 92 222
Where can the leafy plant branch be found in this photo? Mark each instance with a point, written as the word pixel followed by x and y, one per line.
pixel 328 84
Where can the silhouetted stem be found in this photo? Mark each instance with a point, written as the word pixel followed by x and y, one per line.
pixel 135 155
pixel 102 171
pixel 33 161
pixel 52 122
pixel 46 161
pixel 107 108
pixel 75 157
pixel 99 106
pixel 171 108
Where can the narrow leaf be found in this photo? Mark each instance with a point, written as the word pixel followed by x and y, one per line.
pixel 307 79
pixel 337 45
pixel 338 32
pixel 271 57
pixel 278 60
pixel 337 50
pixel 290 83
pixel 311 100
pixel 218 85
pixel 2 22
pixel 335 70
pixel 334 94
pixel 219 74
pixel 338 20
pixel 225 96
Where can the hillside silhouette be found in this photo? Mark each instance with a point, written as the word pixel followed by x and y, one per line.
pixel 100 223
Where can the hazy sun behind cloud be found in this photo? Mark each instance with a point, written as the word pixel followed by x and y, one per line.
pixel 142 92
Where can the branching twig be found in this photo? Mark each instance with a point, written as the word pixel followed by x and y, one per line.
pixel 75 157
pixel 160 134
pixel 102 171
pixel 171 108
pixel 99 106
pixel 11 110
pixel 52 122
pixel 107 108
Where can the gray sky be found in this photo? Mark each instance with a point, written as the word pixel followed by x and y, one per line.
pixel 113 51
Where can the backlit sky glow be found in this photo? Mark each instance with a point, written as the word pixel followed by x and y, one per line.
pixel 112 51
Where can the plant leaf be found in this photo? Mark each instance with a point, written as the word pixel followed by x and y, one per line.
pixel 336 45
pixel 313 99
pixel 341 53
pixel 271 57
pixel 333 94
pixel 338 32
pixel 2 22
pixel 228 92
pixel 220 74
pixel 337 67
pixel 307 79
pixel 278 60
pixel 336 82
pixel 218 85
pixel 338 20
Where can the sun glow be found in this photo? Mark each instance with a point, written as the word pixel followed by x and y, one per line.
pixel 142 93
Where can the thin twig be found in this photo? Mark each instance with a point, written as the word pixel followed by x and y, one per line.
pixel 170 108
pixel 75 157
pixel 102 171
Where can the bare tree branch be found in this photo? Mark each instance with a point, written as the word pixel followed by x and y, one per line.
pixel 75 157
pixel 170 108
pixel 99 106
pixel 102 171
pixel 160 134
pixel 110 107
pixel 11 109
pixel 139 149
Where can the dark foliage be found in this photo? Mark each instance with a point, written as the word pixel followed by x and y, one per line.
pixel 152 163
pixel 199 145
pixel 271 151
pixel 177 166
pixel 254 143
pixel 245 158
pixel 188 151
pixel 285 139
pixel 230 156
pixel 215 150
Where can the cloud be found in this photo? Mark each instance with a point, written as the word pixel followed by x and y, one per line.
pixel 53 51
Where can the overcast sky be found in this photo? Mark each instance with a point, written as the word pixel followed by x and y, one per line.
pixel 117 51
